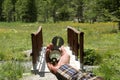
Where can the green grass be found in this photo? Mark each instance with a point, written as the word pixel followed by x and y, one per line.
pixel 15 37
pixel 11 70
pixel 104 38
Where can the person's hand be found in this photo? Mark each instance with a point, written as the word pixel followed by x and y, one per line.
pixel 65 58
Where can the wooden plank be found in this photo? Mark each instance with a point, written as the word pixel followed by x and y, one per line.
pixel 75 45
pixel 81 49
pixel 73 40
pixel 73 29
pixel 70 36
pixel 34 49
pixel 37 42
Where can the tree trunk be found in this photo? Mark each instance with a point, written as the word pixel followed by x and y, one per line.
pixel 119 25
pixel 54 14
pixel 80 12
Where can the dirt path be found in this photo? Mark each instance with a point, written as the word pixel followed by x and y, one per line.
pixel 48 76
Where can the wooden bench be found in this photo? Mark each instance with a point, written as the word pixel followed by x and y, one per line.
pixel 75 42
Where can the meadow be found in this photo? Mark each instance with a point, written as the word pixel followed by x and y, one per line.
pixel 104 38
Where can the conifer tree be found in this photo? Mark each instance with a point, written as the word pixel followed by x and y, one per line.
pixel 1 17
pixel 7 10
pixel 26 10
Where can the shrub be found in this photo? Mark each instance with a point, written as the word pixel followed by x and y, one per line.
pixel 11 70
pixel 110 68
pixel 1 56
pixel 91 57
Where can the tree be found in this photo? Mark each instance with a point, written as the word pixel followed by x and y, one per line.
pixel 26 10
pixel 54 8
pixel 79 8
pixel 111 9
pixel 91 11
pixel 63 13
pixel 1 17
pixel 7 10
pixel 18 8
pixel 61 10
pixel 43 10
pixel 32 11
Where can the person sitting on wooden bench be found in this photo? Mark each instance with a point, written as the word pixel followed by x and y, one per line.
pixel 63 71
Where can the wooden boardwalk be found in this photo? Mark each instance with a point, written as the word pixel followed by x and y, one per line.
pixel 41 67
pixel 42 71
pixel 48 76
pixel 75 40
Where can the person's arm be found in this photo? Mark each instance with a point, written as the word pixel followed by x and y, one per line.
pixel 63 70
pixel 65 58
pixel 68 72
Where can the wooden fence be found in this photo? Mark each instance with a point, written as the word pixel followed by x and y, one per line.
pixel 75 42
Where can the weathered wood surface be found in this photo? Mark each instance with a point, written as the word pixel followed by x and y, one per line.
pixel 76 43
pixel 37 42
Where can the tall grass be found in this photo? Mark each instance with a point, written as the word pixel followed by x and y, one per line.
pixel 110 69
pixel 14 39
pixel 11 70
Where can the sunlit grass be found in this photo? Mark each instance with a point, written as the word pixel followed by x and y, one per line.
pixel 104 38
pixel 15 37
pixel 11 70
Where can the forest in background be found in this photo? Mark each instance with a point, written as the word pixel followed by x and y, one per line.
pixel 101 38
pixel 59 10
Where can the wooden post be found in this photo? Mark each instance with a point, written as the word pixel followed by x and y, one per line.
pixel 75 45
pixel 34 49
pixel 81 38
pixel 37 41
pixel 70 37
